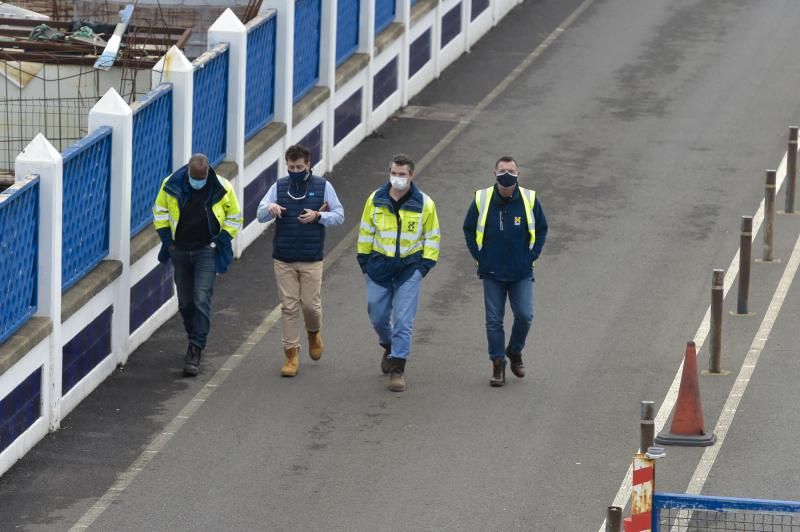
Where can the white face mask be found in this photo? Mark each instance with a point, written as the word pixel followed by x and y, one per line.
pixel 399 183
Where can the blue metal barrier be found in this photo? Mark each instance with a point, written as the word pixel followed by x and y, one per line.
pixel 384 14
pixel 86 201
pixel 152 152
pixel 210 106
pixel 680 512
pixel 307 18
pixel 347 19
pixel 19 248
pixel 260 84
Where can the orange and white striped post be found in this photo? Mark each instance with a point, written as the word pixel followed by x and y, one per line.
pixel 644 473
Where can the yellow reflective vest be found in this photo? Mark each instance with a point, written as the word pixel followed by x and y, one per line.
pixel 483 198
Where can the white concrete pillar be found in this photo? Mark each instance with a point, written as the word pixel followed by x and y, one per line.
pixel 284 59
pixel 175 68
pixel 41 158
pixel 112 111
pixel 366 39
pixel 404 16
pixel 327 76
pixel 229 29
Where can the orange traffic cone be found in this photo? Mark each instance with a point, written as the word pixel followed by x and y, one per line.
pixel 687 419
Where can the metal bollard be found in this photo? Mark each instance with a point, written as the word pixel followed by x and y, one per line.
pixel 647 426
pixel 717 282
pixel 791 170
pixel 769 215
pixel 745 255
pixel 614 519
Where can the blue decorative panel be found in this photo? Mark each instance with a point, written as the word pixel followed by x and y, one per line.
pixel 19 249
pixel 478 7
pixel 260 86
pixel 384 14
pixel 347 19
pixel 20 409
pixel 313 141
pixel 451 25
pixel 86 350
pixel 150 294
pixel 347 116
pixel 307 17
pixel 412 2
pixel 419 53
pixel 256 190
pixel 384 84
pixel 152 153
pixel 86 200
pixel 210 107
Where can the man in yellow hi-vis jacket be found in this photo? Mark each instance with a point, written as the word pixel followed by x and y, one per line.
pixel 398 244
pixel 196 215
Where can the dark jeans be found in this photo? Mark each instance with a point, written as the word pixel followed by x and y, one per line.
pixel 194 278
pixel 520 295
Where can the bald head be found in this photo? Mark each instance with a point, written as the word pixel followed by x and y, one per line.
pixel 198 166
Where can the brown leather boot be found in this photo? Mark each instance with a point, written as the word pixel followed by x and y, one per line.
pixel 498 373
pixel 385 366
pixel 315 346
pixel 517 367
pixel 292 363
pixel 397 381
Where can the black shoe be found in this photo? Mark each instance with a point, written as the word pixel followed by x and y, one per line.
pixel 517 366
pixel 191 364
pixel 498 373
pixel 385 366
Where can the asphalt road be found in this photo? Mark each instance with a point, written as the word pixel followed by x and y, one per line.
pixel 645 128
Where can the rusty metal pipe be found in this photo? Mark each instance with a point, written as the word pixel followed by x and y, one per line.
pixel 647 433
pixel 769 215
pixel 715 353
pixel 791 170
pixel 745 258
pixel 614 519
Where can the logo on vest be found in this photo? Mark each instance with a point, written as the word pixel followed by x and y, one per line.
pixel 517 220
pixel 412 226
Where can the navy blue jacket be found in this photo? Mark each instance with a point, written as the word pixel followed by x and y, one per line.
pixel 295 241
pixel 506 254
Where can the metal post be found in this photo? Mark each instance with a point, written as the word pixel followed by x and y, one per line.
pixel 614 519
pixel 791 170
pixel 769 215
pixel 745 254
pixel 647 426
pixel 717 282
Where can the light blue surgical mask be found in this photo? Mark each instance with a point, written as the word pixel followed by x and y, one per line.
pixel 197 184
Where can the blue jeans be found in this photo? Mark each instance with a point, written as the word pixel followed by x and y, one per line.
pixel 520 295
pixel 195 272
pixel 392 311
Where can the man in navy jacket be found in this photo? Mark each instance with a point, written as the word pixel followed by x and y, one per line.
pixel 505 230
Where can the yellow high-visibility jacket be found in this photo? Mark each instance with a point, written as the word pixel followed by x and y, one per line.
pixel 391 246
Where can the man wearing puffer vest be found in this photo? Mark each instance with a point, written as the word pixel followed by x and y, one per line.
pixel 505 229
pixel 196 214
pixel 302 205
pixel 398 244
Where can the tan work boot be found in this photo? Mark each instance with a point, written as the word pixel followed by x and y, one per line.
pixel 289 368
pixel 315 346
pixel 397 380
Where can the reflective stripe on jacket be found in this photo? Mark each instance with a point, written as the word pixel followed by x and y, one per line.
pixel 483 198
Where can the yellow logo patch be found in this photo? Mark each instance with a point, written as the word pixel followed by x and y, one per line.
pixel 517 220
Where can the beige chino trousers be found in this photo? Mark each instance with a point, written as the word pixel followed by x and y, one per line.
pixel 299 286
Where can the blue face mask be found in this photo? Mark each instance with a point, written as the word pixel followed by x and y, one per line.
pixel 298 177
pixel 197 184
pixel 506 179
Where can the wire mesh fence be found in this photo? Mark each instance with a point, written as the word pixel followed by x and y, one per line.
pixel 695 513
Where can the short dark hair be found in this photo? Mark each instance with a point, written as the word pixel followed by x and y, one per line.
pixel 506 159
pixel 401 159
pixel 298 151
